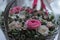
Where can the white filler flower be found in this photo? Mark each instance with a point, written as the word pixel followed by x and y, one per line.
pixel 43 30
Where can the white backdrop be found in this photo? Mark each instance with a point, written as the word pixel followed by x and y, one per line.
pixel 2 4
pixel 2 36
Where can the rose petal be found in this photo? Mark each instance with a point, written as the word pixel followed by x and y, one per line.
pixel 33 23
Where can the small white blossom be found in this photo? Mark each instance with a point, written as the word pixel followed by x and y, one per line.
pixel 14 25
pixel 50 24
pixel 43 30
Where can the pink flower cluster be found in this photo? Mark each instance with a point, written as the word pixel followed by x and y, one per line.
pixel 15 10
pixel 29 10
pixel 33 24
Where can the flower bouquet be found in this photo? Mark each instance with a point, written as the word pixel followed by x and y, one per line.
pixel 26 23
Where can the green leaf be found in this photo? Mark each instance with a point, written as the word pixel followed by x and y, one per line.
pixel 38 15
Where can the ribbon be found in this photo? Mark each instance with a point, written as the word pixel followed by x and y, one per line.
pixel 35 3
pixel 44 7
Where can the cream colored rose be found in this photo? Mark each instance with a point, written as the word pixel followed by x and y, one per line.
pixel 45 17
pixel 14 25
pixel 43 30
pixel 13 16
pixel 21 15
pixel 50 24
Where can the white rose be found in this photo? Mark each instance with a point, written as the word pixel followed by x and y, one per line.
pixel 43 30
pixel 13 16
pixel 45 17
pixel 22 15
pixel 50 24
pixel 14 25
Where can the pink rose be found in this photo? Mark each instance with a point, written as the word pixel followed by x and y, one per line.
pixel 12 11
pixel 33 24
pixel 22 9
pixel 29 10
pixel 17 9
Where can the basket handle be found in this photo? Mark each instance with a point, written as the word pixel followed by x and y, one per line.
pixel 6 13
